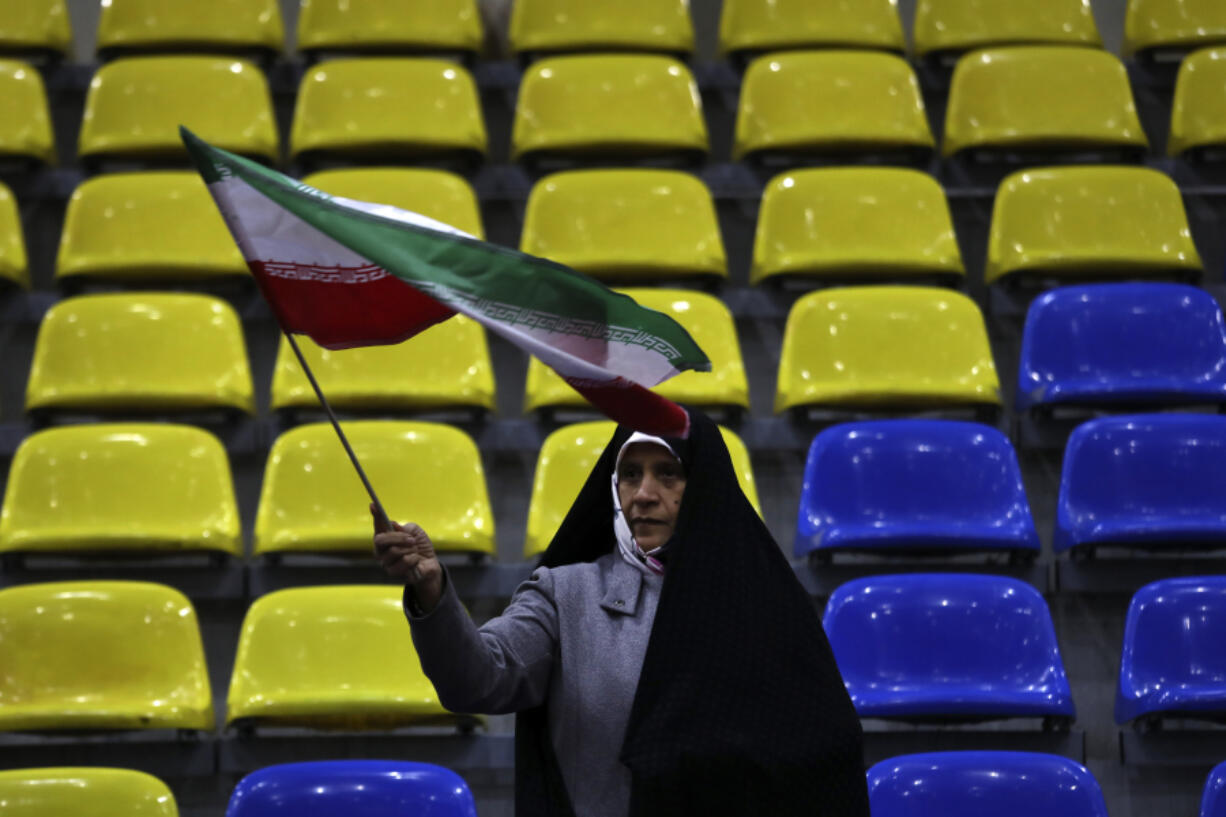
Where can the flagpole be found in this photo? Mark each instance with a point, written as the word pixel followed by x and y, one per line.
pixel 382 523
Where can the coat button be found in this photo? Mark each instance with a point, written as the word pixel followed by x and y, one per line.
pixel 619 603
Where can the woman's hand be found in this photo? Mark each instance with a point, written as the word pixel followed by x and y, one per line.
pixel 407 553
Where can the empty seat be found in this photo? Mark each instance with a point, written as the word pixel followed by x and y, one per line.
pixel 830 102
pixel 955 646
pixel 566 459
pixel 1213 802
pixel 1090 221
pixel 544 26
pixel 971 784
pixel 101 655
pixel 36 27
pixel 913 485
pixel 387 108
pixel 952 26
pixel 626 224
pixel 858 223
pixel 84 792
pixel 385 26
pixel 135 107
pixel 152 226
pixel 312 499
pixel 1123 343
pixel 619 105
pixel 438 194
pixel 141 353
pixel 770 25
pixel 884 346
pixel 226 26
pixel 1198 117
pixel 14 268
pixel 710 323
pixel 356 788
pixel 25 119
pixel 1043 98
pixel 1173 664
pixel 1173 24
pixel 330 657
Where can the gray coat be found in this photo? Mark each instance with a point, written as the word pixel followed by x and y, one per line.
pixel 572 637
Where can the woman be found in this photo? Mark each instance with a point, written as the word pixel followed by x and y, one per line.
pixel 663 659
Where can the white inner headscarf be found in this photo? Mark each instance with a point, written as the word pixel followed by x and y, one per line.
pixel 630 550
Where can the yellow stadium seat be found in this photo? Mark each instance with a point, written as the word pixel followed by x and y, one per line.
pixel 226 26
pixel 135 107
pixel 445 367
pixel 886 346
pixel 1090 221
pixel 710 324
pixel 1198 118
pixel 769 25
pixel 101 655
pixel 853 222
pixel 1174 24
pixel 950 26
pixel 14 267
pixel 385 26
pixel 140 353
pixel 438 194
pixel 543 26
pixel 25 119
pixel 830 102
pixel 35 27
pixel 622 105
pixel 1041 97
pixel 146 226
pixel 431 473
pixel 84 792
pixel 566 459
pixel 626 224
pixel 330 657
pixel 387 108
pixel 110 487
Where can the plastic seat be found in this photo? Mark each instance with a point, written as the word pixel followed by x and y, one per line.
pixel 1090 221
pixel 883 346
pixel 1123 343
pixel 226 26
pixel 1198 118
pixel 770 25
pixel 25 119
pixel 447 366
pixel 956 646
pixel 951 26
pixel 710 323
pixel 313 501
pixel 387 108
pixel 155 226
pixel 14 266
pixel 140 353
pixel 619 105
pixel 437 194
pixel 971 784
pixel 567 457
pixel 852 222
pixel 1213 801
pixel 544 26
pixel 830 102
pixel 330 657
pixel 357 788
pixel 1041 98
pixel 626 224
pixel 913 484
pixel 101 655
pixel 135 107
pixel 1175 24
pixel 36 27
pixel 384 26
pixel 84 792
pixel 1172 664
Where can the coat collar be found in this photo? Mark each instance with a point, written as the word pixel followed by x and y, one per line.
pixel 623 585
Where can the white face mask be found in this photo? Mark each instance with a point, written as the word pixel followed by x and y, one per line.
pixel 630 550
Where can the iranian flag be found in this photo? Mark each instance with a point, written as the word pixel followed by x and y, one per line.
pixel 351 273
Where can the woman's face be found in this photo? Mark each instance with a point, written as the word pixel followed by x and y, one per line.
pixel 650 482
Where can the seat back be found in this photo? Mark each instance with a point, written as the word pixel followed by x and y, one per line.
pixel 1198 115
pixel 33 26
pixel 1180 24
pixel 384 26
pixel 543 26
pixel 226 26
pixel 14 266
pixel 437 194
pixel 1213 802
pixel 947 645
pixel 84 792
pixel 770 25
pixel 963 25
pixel 25 119
pixel 101 655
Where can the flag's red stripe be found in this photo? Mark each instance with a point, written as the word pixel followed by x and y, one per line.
pixel 633 406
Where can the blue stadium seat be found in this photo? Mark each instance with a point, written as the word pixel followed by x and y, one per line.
pixel 906 484
pixel 355 788
pixel 1123 343
pixel 1213 802
pixel 1145 480
pixel 972 784
pixel 957 646
pixel 1173 663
